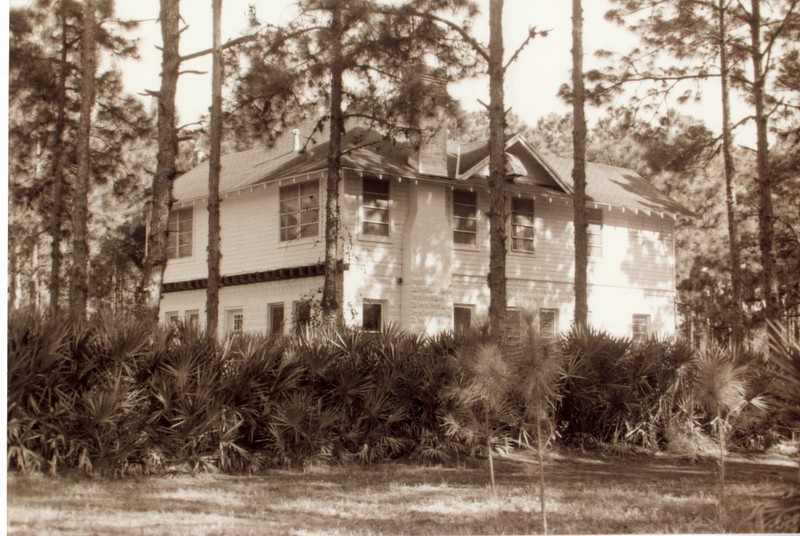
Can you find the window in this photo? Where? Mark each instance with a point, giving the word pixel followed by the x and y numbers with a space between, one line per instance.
pixel 594 232
pixel 548 323
pixel 462 318
pixel 640 328
pixel 234 322
pixel 372 315
pixel 275 320
pixel 193 318
pixel 521 224
pixel 172 318
pixel 299 210
pixel 376 207
pixel 179 233
pixel 465 217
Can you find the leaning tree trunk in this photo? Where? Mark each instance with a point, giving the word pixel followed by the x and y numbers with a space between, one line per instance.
pixel 79 281
pixel 330 292
pixel 579 168
pixel 730 198
pixel 212 291
pixel 57 210
pixel 497 172
pixel 765 214
pixel 156 258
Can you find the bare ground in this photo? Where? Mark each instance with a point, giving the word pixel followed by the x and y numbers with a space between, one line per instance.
pixel 585 495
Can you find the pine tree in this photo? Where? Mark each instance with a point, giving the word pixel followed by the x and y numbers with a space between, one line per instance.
pixel 79 282
pixel 214 168
pixel 579 168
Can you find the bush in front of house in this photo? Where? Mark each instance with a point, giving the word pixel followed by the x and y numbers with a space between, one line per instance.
pixel 121 396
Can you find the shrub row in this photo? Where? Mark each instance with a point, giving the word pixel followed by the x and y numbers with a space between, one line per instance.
pixel 124 397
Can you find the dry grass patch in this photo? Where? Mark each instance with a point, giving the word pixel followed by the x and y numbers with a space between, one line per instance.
pixel 586 495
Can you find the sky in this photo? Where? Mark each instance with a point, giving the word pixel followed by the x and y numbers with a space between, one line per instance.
pixel 531 85
pixel 532 82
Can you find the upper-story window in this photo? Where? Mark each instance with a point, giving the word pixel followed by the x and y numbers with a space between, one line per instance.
pixel 594 232
pixel 376 207
pixel 299 210
pixel 179 233
pixel 521 224
pixel 465 217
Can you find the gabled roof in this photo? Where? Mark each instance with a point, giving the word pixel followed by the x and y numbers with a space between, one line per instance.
pixel 367 150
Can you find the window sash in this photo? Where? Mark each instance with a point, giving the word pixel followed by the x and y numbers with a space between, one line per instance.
pixel 462 318
pixel 548 323
pixel 180 233
pixel 465 217
pixel 375 201
pixel 522 221
pixel 371 316
pixel 276 318
pixel 594 232
pixel 640 327
pixel 299 211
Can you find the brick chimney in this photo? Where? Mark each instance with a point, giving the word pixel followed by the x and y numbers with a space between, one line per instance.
pixel 429 154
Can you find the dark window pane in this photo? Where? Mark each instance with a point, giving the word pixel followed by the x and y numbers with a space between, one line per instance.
pixel 466 225
pixel 380 229
pixel 460 237
pixel 464 197
pixel 462 318
pixel 371 315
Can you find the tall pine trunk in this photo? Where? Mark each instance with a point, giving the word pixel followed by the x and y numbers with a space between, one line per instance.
pixel 330 292
pixel 79 280
pixel 57 211
pixel 579 167
pixel 497 172
pixel 212 291
pixel 730 197
pixel 156 260
pixel 765 215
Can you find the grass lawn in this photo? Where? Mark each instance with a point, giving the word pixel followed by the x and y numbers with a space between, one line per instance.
pixel 585 495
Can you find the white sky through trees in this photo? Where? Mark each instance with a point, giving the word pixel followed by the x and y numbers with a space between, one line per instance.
pixel 531 83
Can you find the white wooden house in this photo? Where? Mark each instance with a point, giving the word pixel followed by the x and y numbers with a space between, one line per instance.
pixel 415 238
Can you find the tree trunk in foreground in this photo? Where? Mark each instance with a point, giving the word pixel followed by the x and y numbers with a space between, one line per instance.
pixel 58 169
pixel 79 280
pixel 330 293
pixel 730 198
pixel 214 168
pixel 156 259
pixel 765 215
pixel 579 168
pixel 497 172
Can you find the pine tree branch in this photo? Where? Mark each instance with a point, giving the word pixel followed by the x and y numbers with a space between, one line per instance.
pixel 232 43
pixel 532 33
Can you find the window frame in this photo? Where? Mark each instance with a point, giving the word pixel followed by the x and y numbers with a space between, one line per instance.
pixel 172 318
pixel 463 307
pixel 553 333
pixel 230 321
pixel 513 235
pixel 456 218
pixel 382 321
pixel 284 199
pixel 271 308
pixel 188 318
pixel 378 196
pixel 636 334
pixel 173 251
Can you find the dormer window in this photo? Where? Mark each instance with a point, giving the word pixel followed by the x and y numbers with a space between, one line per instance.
pixel 179 233
pixel 299 210
pixel 375 207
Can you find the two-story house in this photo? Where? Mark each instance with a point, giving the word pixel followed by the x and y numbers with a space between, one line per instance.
pixel 415 238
